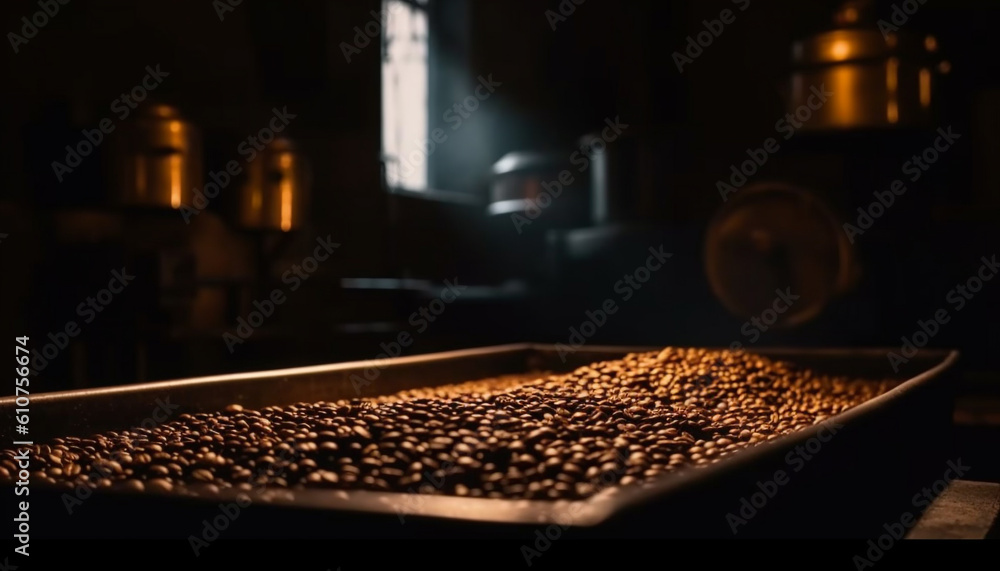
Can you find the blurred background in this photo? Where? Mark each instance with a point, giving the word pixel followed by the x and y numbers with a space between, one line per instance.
pixel 527 153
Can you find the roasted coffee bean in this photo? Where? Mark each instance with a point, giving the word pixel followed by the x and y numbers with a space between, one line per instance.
pixel 202 475
pixel 108 467
pixel 558 436
pixel 158 485
pixel 131 485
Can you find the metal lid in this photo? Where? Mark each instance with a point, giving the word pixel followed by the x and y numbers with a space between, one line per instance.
pixel 522 161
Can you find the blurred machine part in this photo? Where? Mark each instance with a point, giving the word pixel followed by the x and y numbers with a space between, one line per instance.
pixel 773 238
pixel 861 93
pixel 881 77
pixel 529 182
pixel 625 171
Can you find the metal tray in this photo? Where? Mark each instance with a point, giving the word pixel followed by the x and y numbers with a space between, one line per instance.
pixel 888 449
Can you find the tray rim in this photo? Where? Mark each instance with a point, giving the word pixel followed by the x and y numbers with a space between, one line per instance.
pixel 589 512
pixel 950 355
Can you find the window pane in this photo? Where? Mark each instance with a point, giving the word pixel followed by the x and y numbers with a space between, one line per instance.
pixel 404 95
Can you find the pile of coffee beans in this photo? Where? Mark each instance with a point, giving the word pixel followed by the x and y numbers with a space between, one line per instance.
pixel 562 436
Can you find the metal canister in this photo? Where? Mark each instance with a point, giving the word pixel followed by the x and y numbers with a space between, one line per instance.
pixel 545 187
pixel 157 159
pixel 276 190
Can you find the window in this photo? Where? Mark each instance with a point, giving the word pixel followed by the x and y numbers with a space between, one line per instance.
pixel 405 84
pixel 425 72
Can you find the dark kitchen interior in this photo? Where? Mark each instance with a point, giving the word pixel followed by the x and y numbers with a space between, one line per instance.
pixel 204 188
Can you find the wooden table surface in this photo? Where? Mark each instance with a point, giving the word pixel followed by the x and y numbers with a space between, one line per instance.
pixel 965 510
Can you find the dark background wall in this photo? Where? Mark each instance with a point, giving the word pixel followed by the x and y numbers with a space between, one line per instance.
pixel 607 59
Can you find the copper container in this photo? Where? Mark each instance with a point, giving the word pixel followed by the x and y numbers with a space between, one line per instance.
pixel 157 159
pixel 276 189
pixel 876 79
